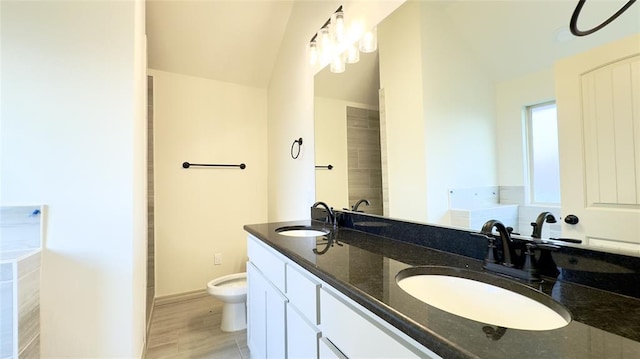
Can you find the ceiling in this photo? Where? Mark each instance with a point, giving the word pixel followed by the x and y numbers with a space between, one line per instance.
pixel 233 41
pixel 359 83
pixel 238 41
pixel 513 38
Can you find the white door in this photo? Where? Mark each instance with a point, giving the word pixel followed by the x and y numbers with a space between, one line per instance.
pixel 598 99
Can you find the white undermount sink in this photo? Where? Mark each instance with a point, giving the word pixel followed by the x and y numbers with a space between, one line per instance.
pixel 467 294
pixel 301 231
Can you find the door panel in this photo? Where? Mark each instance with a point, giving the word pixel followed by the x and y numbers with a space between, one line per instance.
pixel 598 99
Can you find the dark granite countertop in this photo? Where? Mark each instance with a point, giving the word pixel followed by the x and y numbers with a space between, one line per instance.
pixel 363 266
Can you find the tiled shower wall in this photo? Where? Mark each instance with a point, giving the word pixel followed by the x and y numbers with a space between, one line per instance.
pixel 150 202
pixel 364 164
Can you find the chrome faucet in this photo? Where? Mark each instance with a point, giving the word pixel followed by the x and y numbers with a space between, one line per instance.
pixel 355 206
pixel 537 225
pixel 508 255
pixel 331 216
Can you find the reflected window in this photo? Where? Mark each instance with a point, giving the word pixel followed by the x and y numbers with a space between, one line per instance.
pixel 544 162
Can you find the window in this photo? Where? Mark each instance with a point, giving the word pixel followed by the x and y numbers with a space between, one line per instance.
pixel 544 162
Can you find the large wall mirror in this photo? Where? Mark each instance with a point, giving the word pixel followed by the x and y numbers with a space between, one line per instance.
pixel 439 125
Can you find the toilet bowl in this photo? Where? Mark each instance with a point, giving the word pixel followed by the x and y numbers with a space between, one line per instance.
pixel 232 291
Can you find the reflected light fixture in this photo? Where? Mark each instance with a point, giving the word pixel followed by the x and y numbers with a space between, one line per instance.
pixel 353 54
pixel 313 52
pixel 337 25
pixel 333 45
pixel 369 42
pixel 338 64
pixel 326 46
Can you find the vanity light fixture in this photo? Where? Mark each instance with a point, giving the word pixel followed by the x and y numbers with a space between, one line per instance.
pixel 314 53
pixel 337 24
pixel 369 42
pixel 353 54
pixel 326 45
pixel 335 46
pixel 338 63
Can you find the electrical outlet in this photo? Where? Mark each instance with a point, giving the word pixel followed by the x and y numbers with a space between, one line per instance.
pixel 217 259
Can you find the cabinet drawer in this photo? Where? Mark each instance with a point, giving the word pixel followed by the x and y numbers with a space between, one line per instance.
pixel 267 262
pixel 302 336
pixel 303 292
pixel 363 337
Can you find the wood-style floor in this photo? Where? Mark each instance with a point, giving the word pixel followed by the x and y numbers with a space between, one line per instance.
pixel 191 329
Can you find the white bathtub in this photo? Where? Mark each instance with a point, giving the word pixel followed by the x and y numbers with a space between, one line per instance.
pixel 20 267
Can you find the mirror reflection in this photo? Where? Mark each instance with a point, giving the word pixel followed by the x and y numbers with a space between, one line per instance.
pixel 458 118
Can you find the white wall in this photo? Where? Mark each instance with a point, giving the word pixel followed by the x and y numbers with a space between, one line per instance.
pixel 512 97
pixel 401 79
pixel 330 117
pixel 440 124
pixel 459 114
pixel 139 247
pixel 72 137
pixel 290 116
pixel 290 104
pixel 201 211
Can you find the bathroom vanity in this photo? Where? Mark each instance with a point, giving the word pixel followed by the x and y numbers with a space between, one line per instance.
pixel 313 297
pixel 287 306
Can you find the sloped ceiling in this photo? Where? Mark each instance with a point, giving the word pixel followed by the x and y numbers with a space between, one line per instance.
pixel 233 41
pixel 513 38
pixel 238 40
pixel 359 83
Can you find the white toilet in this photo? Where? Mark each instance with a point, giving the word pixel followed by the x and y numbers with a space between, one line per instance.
pixel 232 290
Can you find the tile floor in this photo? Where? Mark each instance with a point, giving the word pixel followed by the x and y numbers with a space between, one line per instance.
pixel 191 329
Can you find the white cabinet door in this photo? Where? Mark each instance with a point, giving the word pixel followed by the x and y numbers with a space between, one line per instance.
pixel 266 317
pixel 256 312
pixel 599 143
pixel 302 336
pixel 276 323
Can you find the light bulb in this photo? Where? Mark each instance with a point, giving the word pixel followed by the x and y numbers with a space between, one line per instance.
pixel 337 25
pixel 369 42
pixel 353 54
pixel 326 46
pixel 313 52
pixel 338 64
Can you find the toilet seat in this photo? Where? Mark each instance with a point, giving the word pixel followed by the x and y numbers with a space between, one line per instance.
pixel 232 284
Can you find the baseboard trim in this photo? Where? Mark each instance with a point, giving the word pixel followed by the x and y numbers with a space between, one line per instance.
pixel 174 298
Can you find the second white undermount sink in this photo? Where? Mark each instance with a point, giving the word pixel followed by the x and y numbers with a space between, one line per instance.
pixel 301 231
pixel 467 294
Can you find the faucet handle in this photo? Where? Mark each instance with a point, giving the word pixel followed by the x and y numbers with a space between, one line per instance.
pixel 530 264
pixel 510 230
pixel 492 251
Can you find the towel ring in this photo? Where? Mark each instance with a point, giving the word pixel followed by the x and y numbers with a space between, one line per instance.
pixel 299 142
pixel 573 24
